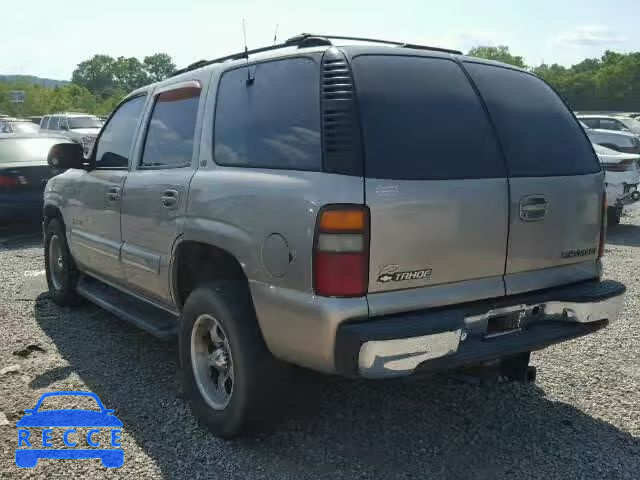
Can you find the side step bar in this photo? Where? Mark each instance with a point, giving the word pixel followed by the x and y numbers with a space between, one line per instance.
pixel 155 320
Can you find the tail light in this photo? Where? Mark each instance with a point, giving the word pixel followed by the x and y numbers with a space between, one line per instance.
pixel 341 251
pixel 8 181
pixel 603 225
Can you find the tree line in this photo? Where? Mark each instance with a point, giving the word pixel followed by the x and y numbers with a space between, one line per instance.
pixel 97 86
pixel 611 82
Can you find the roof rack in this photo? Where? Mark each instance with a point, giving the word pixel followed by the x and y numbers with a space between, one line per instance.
pixel 307 40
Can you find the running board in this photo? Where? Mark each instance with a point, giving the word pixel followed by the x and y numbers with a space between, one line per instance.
pixel 155 320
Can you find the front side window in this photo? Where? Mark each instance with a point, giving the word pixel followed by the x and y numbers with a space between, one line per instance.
pixel 170 135
pixel 272 121
pixel 116 140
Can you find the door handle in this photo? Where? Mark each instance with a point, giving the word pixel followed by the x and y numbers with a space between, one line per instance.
pixel 169 199
pixel 113 194
pixel 533 208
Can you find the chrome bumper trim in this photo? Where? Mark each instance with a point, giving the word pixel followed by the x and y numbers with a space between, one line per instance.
pixel 400 357
pixel 392 358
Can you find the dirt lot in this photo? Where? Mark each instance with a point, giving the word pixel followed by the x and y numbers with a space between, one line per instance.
pixel 581 419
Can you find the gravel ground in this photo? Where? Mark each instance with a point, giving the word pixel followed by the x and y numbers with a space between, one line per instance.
pixel 581 419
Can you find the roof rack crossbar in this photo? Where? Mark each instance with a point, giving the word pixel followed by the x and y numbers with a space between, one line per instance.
pixel 304 40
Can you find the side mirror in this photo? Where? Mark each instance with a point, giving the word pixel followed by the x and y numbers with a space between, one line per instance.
pixel 66 155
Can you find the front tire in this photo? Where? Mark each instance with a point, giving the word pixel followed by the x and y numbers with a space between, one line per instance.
pixel 231 377
pixel 62 274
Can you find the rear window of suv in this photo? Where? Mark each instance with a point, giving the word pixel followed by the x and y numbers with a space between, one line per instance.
pixel 422 120
pixel 539 135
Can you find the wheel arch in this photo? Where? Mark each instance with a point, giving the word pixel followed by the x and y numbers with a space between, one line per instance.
pixel 195 262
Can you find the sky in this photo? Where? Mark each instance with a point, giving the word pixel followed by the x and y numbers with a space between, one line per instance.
pixel 49 39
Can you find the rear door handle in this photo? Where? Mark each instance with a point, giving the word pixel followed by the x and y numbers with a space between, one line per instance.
pixel 113 194
pixel 169 199
pixel 533 208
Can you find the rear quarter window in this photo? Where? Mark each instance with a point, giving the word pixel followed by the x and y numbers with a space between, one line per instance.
pixel 272 121
pixel 539 135
pixel 422 120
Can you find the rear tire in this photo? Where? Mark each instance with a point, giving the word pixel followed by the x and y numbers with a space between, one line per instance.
pixel 230 376
pixel 62 274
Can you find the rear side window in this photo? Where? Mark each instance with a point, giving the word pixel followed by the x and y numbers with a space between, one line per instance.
pixel 169 140
pixel 44 123
pixel 116 139
pixel 539 135
pixel 591 122
pixel 53 123
pixel 273 121
pixel 422 120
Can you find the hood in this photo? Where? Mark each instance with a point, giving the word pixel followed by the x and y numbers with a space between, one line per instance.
pixel 90 132
pixel 69 418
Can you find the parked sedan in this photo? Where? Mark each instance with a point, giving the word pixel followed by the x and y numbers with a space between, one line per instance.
pixel 621 176
pixel 24 172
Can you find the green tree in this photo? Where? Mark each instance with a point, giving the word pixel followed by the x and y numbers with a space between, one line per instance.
pixel 129 74
pixel 158 66
pixel 500 53
pixel 96 75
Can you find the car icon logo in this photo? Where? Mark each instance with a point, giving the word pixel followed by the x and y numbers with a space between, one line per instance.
pixel 100 422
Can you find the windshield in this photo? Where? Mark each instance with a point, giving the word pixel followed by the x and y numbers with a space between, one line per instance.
pixel 84 122
pixel 26 149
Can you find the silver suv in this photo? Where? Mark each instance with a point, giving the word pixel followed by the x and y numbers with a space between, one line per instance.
pixel 369 211
pixel 78 127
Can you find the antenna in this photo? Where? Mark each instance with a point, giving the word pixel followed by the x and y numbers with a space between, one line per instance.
pixel 275 35
pixel 246 54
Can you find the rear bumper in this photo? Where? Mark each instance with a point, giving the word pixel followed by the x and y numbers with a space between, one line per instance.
pixel 442 339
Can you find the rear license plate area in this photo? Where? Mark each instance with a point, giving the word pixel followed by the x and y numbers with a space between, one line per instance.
pixel 503 324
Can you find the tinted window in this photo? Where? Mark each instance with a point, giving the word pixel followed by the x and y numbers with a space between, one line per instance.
pixel 84 122
pixel 26 149
pixel 591 122
pixel 169 140
pixel 53 123
pixel 539 135
pixel 421 119
pixel 273 122
pixel 44 123
pixel 117 137
pixel 610 124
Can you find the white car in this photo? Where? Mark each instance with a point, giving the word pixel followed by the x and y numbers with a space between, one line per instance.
pixel 78 127
pixel 621 176
pixel 618 123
